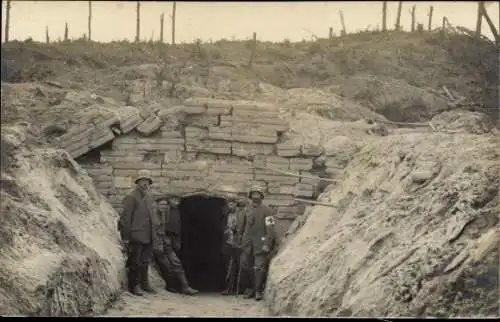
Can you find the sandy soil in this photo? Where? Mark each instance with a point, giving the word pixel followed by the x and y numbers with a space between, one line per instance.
pixel 202 305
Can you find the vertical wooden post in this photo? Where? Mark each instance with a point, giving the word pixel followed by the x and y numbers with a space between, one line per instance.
pixel 479 19
pixel 174 8
pixel 330 33
pixel 384 16
pixel 444 23
pixel 47 39
pixel 398 17
pixel 429 25
pixel 7 21
pixel 66 31
pixel 413 18
pixel 343 31
pixel 162 16
pixel 90 21
pixel 138 23
pixel 254 47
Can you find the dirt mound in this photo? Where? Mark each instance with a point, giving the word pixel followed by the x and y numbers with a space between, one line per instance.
pixel 395 99
pixel 59 245
pixel 407 65
pixel 413 232
pixel 463 121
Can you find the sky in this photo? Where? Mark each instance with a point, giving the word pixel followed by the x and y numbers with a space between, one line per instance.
pixel 207 20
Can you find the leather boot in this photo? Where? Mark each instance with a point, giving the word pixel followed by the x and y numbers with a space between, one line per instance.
pixel 145 280
pixel 227 291
pixel 249 293
pixel 164 272
pixel 259 278
pixel 172 284
pixel 185 288
pixel 133 279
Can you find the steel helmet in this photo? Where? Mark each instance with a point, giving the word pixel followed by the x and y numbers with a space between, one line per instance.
pixel 256 189
pixel 144 174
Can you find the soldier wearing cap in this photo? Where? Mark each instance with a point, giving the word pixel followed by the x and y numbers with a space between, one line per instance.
pixel 232 242
pixel 165 256
pixel 137 225
pixel 173 223
pixel 258 241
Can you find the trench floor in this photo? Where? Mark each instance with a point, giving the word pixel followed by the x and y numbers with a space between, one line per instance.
pixel 201 305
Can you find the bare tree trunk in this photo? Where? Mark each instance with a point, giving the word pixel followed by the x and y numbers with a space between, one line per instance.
pixel 47 39
pixel 254 47
pixel 494 30
pixel 162 17
pixel 413 18
pixel 138 23
pixel 429 25
pixel 398 18
pixel 330 33
pixel 343 31
pixel 66 31
pixel 479 19
pixel 7 20
pixel 174 7
pixel 384 16
pixel 90 21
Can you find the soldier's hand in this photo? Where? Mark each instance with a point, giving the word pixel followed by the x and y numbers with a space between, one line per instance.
pixel 265 248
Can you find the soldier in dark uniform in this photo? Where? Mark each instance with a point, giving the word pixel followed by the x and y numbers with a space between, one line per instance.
pixel 165 257
pixel 137 224
pixel 258 242
pixel 173 223
pixel 232 247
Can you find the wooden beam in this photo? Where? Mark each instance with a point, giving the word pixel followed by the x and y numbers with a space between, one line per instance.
pixel 291 174
pixel 316 203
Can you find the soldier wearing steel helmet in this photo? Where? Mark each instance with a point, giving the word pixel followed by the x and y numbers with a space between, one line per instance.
pixel 137 225
pixel 258 242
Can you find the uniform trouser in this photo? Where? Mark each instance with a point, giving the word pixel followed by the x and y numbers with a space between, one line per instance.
pixel 176 242
pixel 138 259
pixel 170 266
pixel 254 267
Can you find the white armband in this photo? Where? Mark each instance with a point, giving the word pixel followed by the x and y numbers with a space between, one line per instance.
pixel 269 220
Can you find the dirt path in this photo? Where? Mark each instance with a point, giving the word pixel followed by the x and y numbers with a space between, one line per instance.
pixel 202 305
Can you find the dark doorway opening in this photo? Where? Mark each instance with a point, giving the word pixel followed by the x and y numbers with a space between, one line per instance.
pixel 203 223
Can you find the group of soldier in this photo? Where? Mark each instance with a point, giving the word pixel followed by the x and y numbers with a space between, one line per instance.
pixel 150 229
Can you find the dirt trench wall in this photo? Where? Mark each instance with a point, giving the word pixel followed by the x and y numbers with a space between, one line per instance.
pixel 212 146
pixel 414 232
pixel 60 252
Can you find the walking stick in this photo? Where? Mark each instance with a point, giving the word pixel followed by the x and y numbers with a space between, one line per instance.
pixel 238 276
